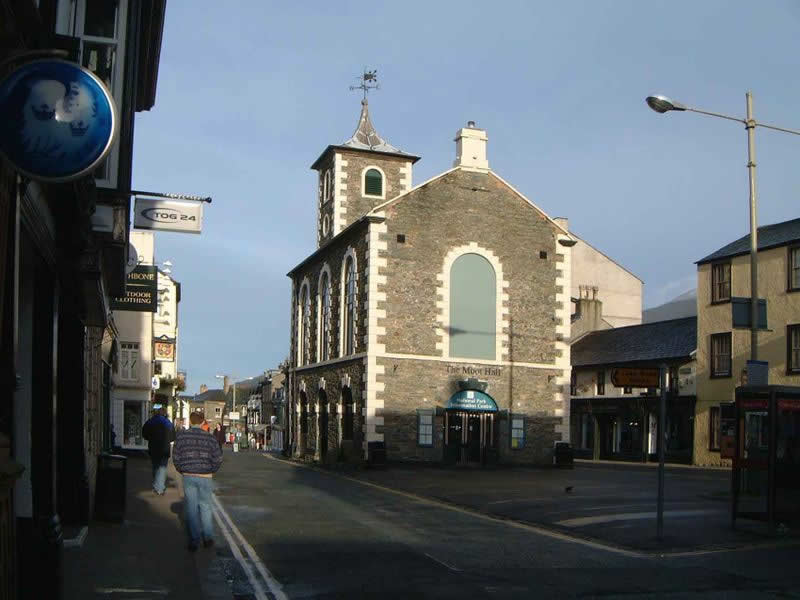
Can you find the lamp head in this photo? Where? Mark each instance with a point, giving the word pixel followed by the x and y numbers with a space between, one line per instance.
pixel 662 104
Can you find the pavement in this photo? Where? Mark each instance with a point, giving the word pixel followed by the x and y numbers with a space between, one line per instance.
pixel 609 503
pixel 145 556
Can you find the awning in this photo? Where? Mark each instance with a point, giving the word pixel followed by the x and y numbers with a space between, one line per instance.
pixel 472 400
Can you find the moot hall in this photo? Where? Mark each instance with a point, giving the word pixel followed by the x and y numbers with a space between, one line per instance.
pixel 432 323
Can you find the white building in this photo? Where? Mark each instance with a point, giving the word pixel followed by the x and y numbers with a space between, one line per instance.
pixel 165 346
pixel 132 381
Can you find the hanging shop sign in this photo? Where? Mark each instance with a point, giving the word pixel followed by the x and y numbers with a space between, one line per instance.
pixel 141 291
pixel 183 216
pixel 638 378
pixel 164 351
pixel 58 120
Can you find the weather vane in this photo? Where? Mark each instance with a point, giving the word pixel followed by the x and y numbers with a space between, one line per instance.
pixel 367 81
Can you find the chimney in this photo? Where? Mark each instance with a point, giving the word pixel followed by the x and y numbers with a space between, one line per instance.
pixel 563 222
pixel 226 384
pixel 588 312
pixel 471 149
pixel 203 388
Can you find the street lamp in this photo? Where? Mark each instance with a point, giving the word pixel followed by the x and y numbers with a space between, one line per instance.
pixel 662 104
pixel 233 408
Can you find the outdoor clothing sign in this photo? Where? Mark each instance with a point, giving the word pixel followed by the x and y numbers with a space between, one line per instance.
pixel 141 291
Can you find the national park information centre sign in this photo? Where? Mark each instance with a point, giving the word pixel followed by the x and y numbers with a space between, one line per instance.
pixel 141 291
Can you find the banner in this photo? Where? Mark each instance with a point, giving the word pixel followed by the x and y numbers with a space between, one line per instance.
pixel 183 216
pixel 141 291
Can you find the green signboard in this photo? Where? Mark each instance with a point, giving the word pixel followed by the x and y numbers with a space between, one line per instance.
pixel 471 400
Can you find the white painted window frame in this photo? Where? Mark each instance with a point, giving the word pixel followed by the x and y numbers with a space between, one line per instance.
pixel 344 333
pixel 364 193
pixel 323 335
pixel 70 21
pixel 131 352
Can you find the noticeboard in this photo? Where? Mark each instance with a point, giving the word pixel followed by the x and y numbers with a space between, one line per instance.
pixel 638 378
pixel 141 291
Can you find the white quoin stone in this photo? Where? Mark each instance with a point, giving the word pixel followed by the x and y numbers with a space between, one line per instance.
pixel 471 148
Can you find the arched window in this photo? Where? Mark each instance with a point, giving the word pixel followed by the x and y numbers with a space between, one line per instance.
pixel 305 326
pixel 473 308
pixel 350 308
pixel 347 414
pixel 373 183
pixel 325 317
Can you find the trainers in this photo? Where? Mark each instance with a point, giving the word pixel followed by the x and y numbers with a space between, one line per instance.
pixel 208 543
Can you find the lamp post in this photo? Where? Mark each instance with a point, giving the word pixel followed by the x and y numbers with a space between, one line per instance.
pixel 662 104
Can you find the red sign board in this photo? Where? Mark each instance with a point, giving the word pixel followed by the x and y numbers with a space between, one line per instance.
pixel 753 404
pixel 789 404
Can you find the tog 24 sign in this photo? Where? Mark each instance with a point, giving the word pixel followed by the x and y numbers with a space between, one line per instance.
pixel 168 215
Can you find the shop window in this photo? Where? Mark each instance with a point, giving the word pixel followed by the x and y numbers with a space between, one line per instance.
pixel 673 380
pixel 793 349
pixel 721 282
pixel 713 428
pixel 601 383
pixel 129 361
pixel 582 434
pixel 721 355
pixel 517 432
pixel 373 183
pixel 425 428
pixel 473 308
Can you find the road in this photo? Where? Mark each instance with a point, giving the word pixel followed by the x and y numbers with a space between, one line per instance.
pixel 314 534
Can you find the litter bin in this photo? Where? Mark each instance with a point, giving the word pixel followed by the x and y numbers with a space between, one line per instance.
pixel 563 455
pixel 377 453
pixel 111 488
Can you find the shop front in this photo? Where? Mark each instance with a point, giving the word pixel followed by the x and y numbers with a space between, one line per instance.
pixel 129 418
pixel 470 428
pixel 625 428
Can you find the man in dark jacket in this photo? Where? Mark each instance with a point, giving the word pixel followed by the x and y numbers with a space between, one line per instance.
pixel 197 457
pixel 159 433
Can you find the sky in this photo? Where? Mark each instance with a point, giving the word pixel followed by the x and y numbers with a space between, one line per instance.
pixel 250 92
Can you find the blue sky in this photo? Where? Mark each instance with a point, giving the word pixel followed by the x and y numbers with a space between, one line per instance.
pixel 249 96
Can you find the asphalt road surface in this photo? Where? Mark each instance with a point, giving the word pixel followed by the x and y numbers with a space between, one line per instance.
pixel 287 531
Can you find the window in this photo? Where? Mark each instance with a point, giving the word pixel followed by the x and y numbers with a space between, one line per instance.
pixel 373 183
pixel 218 411
pixel 129 361
pixel 347 414
pixel 100 26
pixel 721 282
pixel 473 308
pixel 325 317
pixel 573 384
pixel 326 224
pixel 304 346
pixel 793 349
pixel 601 383
pixel 327 185
pixel 350 306
pixel 673 380
pixel 425 428
pixel 582 434
pixel 721 355
pixel 794 269
pixel 517 432
pixel 713 428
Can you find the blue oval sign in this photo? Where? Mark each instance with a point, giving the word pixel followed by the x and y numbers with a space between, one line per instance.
pixel 57 120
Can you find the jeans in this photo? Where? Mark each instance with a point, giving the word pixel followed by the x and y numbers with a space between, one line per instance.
pixel 159 473
pixel 197 508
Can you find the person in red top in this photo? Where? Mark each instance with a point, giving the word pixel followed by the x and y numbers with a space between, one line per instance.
pixel 205 426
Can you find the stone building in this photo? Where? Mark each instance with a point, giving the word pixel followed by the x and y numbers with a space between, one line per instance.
pixel 432 323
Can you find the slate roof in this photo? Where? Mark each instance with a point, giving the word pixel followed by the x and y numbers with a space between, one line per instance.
pixel 210 396
pixel 637 343
pixel 366 138
pixel 769 236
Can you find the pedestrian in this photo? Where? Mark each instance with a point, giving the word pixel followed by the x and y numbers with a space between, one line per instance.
pixel 205 426
pixel 159 433
pixel 197 457
pixel 219 435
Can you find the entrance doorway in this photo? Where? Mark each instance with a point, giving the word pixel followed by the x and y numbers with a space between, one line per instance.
pixel 469 436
